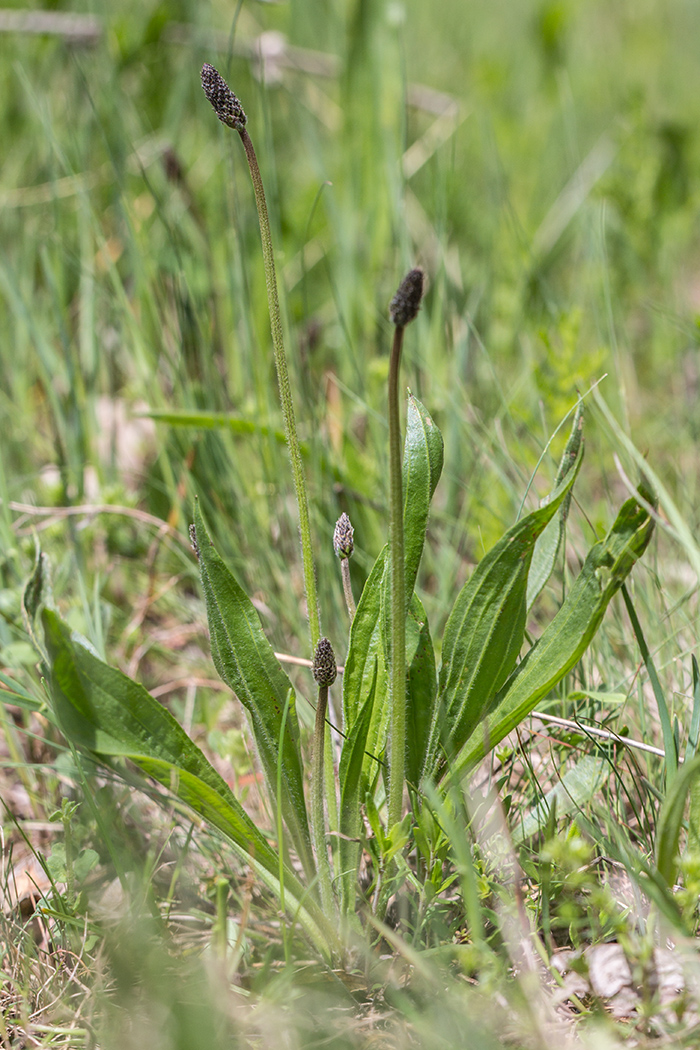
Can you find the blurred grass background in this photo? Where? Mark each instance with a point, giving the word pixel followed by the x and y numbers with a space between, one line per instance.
pixel 541 160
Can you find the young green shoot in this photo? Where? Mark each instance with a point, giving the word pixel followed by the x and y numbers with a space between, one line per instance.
pixel 230 112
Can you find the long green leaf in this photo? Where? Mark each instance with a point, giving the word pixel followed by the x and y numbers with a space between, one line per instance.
pixel 484 633
pixel 352 791
pixel 100 709
pixel 422 465
pixel 246 661
pixel 549 544
pixel 668 828
pixel 569 634
pixel 421 691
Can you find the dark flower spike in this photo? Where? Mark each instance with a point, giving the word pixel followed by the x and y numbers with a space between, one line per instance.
pixel 325 669
pixel 343 543
pixel 226 106
pixel 405 305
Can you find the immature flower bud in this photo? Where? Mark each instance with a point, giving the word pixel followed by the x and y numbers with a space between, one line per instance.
pixel 325 669
pixel 226 106
pixel 343 544
pixel 405 305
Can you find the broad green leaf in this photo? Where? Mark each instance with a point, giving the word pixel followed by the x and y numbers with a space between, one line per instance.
pixel 353 788
pixel 421 691
pixel 485 630
pixel 365 659
pixel 422 464
pixel 548 545
pixel 569 634
pixel 668 828
pixel 105 712
pixel 246 661
pixel 574 790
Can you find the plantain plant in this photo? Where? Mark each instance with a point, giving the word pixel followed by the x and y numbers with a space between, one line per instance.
pixel 409 725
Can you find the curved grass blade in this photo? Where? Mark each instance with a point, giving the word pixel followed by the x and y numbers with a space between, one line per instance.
pixel 246 661
pixel 485 630
pixel 549 544
pixel 668 828
pixel 108 714
pixel 569 634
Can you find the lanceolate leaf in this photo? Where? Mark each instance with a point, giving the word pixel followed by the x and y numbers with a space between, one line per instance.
pixel 421 691
pixel 365 659
pixel 569 634
pixel 549 544
pixel 668 829
pixel 484 633
pixel 352 792
pixel 103 711
pixel 422 464
pixel 246 661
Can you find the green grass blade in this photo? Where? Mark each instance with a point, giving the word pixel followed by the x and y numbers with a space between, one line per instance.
pixel 694 731
pixel 485 630
pixel 567 637
pixel 246 661
pixel 668 828
pixel 215 421
pixel 548 545
pixel 670 746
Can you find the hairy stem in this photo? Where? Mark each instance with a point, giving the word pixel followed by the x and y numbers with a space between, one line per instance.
pixel 347 588
pixel 397 731
pixel 290 427
pixel 318 819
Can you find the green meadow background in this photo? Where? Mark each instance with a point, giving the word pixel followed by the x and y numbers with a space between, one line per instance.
pixel 541 161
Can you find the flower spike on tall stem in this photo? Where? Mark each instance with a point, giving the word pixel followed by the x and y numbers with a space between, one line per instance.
pixel 230 112
pixel 402 310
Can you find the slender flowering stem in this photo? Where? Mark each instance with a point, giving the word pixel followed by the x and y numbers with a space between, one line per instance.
pixel 397 748
pixel 403 309
pixel 230 112
pixel 324 671
pixel 343 544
